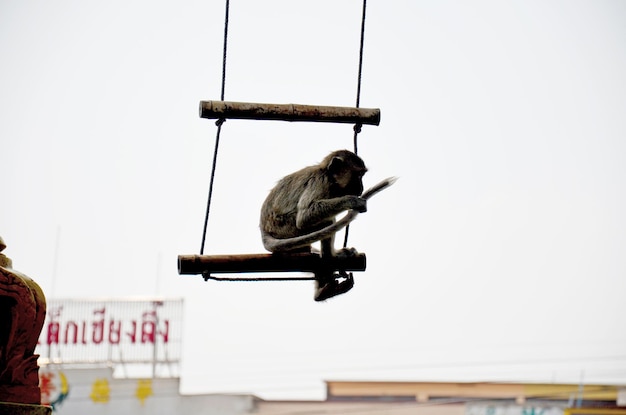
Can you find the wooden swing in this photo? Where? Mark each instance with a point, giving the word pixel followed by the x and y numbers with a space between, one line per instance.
pixel 207 265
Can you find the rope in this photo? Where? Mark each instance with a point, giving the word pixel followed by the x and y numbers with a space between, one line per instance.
pixel 219 130
pixel 357 127
pixel 220 122
pixel 225 48
pixel 208 276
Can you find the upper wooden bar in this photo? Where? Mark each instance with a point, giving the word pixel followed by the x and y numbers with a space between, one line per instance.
pixel 288 112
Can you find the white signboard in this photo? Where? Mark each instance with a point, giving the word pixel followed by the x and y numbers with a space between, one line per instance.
pixel 111 331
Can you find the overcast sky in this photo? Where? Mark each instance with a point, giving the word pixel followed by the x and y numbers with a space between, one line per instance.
pixel 498 255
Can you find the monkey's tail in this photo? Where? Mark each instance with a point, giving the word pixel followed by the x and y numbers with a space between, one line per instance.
pixel 277 245
pixel 382 185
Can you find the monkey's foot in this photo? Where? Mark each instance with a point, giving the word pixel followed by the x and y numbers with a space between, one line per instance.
pixel 346 253
pixel 334 287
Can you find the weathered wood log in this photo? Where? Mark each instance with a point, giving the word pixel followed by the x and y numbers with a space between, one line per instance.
pixel 279 262
pixel 288 112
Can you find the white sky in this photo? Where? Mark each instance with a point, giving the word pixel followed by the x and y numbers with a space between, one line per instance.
pixel 498 255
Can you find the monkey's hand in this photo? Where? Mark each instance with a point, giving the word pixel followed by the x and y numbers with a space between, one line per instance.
pixel 358 203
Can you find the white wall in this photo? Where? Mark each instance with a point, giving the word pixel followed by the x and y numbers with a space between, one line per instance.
pixel 95 391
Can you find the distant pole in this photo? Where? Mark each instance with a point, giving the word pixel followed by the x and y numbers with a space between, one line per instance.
pixel 581 388
pixel 157 287
pixel 55 267
pixel 154 344
pixel 55 264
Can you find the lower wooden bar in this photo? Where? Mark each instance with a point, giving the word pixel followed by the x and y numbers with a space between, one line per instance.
pixel 279 262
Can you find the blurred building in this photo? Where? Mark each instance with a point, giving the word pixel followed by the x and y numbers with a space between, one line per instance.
pixel 95 390
pixel 443 398
pixel 122 357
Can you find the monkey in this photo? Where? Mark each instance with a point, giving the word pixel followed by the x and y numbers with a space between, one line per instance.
pixel 301 210
pixel 308 201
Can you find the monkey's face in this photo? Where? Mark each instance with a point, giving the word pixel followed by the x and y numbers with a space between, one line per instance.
pixel 345 170
pixel 350 181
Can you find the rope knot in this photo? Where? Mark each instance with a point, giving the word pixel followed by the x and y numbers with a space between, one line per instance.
pixel 220 122
pixel 357 128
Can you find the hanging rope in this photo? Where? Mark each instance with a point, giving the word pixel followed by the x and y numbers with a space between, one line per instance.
pixel 357 127
pixel 219 130
pixel 208 276
pixel 220 122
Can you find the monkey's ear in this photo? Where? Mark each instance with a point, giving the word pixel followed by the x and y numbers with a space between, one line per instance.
pixel 336 165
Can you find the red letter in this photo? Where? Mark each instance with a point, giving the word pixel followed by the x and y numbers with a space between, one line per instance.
pixel 133 335
pixel 166 333
pixel 67 331
pixel 117 332
pixel 98 327
pixel 148 328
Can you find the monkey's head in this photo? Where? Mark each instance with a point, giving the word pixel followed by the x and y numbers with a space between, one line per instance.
pixel 345 171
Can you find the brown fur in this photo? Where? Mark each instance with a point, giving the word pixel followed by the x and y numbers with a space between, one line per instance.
pixel 301 209
pixel 309 199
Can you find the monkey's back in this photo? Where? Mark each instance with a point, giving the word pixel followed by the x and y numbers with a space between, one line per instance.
pixel 280 208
